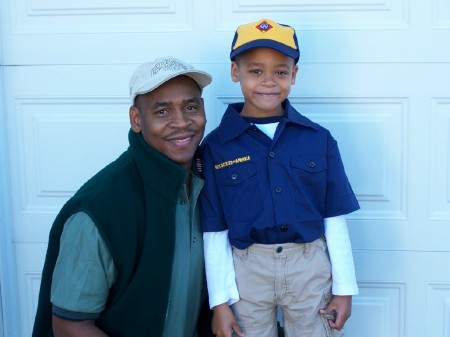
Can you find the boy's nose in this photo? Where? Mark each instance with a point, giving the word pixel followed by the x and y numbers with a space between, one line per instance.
pixel 268 79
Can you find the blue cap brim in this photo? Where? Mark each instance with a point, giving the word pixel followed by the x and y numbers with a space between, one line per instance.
pixel 265 43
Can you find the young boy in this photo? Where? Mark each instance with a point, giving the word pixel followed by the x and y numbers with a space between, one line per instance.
pixel 275 188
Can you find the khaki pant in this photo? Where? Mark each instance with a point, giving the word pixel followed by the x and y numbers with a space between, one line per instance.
pixel 294 277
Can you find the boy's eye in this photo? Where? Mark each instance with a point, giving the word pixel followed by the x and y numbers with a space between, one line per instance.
pixel 255 71
pixel 282 72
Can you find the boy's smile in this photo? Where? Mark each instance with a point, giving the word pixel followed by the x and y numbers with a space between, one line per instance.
pixel 265 76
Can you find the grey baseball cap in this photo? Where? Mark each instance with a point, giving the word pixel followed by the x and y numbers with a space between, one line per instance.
pixel 150 75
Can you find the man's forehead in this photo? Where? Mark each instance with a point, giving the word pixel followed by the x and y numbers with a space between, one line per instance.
pixel 175 100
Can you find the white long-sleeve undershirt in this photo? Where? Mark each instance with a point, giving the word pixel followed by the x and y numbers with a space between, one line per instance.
pixel 341 257
pixel 220 274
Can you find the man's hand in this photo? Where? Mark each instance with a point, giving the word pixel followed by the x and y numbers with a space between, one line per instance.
pixel 342 306
pixel 224 322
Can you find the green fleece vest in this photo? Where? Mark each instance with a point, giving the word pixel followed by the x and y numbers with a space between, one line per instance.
pixel 132 201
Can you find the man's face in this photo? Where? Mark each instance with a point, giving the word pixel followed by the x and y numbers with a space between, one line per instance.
pixel 171 119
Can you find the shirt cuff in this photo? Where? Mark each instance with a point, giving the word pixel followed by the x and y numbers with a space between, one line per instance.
pixel 73 315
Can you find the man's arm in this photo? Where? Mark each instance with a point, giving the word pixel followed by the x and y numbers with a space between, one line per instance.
pixel 83 275
pixel 67 328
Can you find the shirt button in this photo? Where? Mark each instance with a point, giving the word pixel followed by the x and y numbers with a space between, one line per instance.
pixel 182 202
pixel 194 240
pixel 278 189
pixel 284 228
pixel 234 176
pixel 312 164
pixel 279 249
pixel 271 154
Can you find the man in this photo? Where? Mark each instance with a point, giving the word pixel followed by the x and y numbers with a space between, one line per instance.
pixel 125 254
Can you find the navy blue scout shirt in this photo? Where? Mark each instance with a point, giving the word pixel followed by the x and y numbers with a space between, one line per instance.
pixel 272 191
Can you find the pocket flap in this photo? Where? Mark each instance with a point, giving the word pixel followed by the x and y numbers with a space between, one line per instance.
pixel 235 174
pixel 309 163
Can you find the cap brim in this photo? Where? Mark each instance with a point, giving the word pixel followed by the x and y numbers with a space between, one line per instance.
pixel 266 43
pixel 202 78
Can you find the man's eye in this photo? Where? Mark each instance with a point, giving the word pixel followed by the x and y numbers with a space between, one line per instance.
pixel 161 112
pixel 191 107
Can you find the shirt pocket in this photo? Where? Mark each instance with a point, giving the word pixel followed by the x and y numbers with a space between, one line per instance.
pixel 309 164
pixel 239 192
pixel 310 180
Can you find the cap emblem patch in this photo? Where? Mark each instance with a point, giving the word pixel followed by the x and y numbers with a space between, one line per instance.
pixel 167 65
pixel 264 27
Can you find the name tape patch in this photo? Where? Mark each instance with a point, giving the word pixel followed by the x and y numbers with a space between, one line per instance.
pixel 231 162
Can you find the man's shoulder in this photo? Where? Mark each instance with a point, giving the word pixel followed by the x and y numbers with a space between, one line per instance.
pixel 108 183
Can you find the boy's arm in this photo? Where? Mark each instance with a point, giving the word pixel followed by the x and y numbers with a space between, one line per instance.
pixel 343 270
pixel 340 250
pixel 224 322
pixel 220 277
pixel 340 309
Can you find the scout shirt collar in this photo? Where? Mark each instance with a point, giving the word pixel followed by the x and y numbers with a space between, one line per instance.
pixel 233 124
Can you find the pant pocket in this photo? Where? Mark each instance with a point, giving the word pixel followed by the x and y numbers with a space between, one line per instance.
pixel 329 331
pixel 337 333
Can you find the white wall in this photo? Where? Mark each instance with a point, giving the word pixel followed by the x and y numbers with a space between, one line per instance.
pixel 375 72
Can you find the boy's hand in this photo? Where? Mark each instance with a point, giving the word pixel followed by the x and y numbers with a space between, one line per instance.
pixel 342 306
pixel 224 322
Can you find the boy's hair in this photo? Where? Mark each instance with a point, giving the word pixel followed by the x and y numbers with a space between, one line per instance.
pixel 265 33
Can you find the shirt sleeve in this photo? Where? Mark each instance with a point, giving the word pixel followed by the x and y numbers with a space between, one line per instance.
pixel 340 250
pixel 84 271
pixel 220 274
pixel 340 198
pixel 212 217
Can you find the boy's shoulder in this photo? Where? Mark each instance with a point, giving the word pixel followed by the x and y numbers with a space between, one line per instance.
pixel 298 118
pixel 312 124
pixel 231 124
pixel 211 137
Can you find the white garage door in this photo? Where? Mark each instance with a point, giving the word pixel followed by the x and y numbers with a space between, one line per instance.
pixel 375 72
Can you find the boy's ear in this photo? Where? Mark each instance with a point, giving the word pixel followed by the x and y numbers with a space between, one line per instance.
pixel 294 74
pixel 234 72
pixel 135 119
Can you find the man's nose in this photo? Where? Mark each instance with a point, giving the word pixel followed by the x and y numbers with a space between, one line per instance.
pixel 180 118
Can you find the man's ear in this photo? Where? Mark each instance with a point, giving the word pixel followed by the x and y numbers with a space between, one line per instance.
pixel 135 119
pixel 234 72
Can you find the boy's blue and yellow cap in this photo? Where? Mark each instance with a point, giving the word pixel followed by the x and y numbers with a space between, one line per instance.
pixel 265 33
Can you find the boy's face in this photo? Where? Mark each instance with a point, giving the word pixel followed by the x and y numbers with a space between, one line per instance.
pixel 171 119
pixel 266 77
